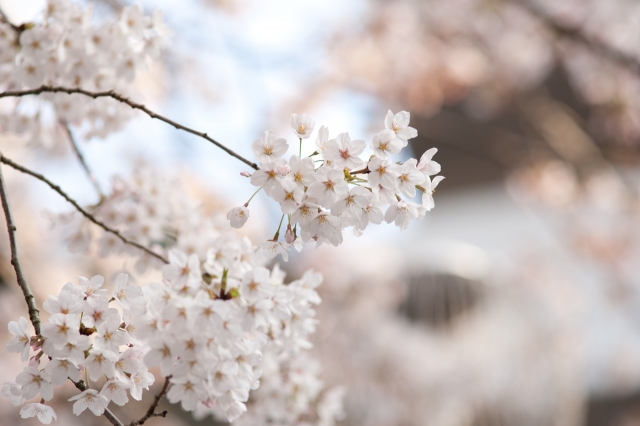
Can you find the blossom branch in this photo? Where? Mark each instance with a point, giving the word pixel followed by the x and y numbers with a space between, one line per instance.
pixel 34 313
pixel 75 204
pixel 151 412
pixel 83 163
pixel 575 34
pixel 134 105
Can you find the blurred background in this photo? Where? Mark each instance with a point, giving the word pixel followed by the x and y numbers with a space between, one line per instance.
pixel 516 301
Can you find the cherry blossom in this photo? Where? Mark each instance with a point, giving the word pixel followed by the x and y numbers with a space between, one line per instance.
pixel 344 153
pixel 426 165
pixel 329 185
pixel 22 340
pixel 386 142
pixel 268 148
pixel 302 125
pixel 288 194
pixel 61 369
pixel 238 216
pixel 44 413
pixel 399 124
pixel 430 187
pixel 34 382
pixel 90 399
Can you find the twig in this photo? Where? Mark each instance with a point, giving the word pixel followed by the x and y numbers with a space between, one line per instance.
pixel 151 412
pixel 18 29
pixel 576 34
pixel 107 413
pixel 3 18
pixel 134 105
pixel 34 313
pixel 83 163
pixel 75 204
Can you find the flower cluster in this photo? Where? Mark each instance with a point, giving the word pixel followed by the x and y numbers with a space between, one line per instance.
pixel 84 336
pixel 67 49
pixel 344 190
pixel 205 327
pixel 290 390
pixel 147 208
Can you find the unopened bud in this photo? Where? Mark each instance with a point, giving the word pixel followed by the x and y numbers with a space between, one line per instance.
pixel 289 237
pixel 245 174
pixel 284 170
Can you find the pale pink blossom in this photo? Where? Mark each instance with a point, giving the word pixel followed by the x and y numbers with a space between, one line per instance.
pixel 90 399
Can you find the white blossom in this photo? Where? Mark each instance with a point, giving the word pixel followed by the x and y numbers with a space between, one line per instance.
pixel 409 177
pixel 386 142
pixel 139 381
pixel 34 382
pixel 100 361
pixel 353 203
pixel 116 391
pixel 90 399
pixel 302 170
pixel 61 369
pixel 426 165
pixel 401 213
pixel 288 194
pixel 322 139
pixel 61 329
pixel 269 148
pixel 268 175
pixel 329 185
pixel 22 340
pixel 384 173
pixel 44 413
pixel 399 123
pixel 344 153
pixel 13 391
pixel 238 216
pixel 128 295
pixel 430 187
pixel 302 125
pixel 109 335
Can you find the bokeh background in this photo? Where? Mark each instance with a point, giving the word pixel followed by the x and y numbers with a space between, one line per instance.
pixel 515 302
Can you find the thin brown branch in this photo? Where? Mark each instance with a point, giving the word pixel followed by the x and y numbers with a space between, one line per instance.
pixel 83 163
pixel 151 412
pixel 134 105
pixel 75 204
pixel 107 413
pixel 3 18
pixel 17 28
pixel 34 313
pixel 576 34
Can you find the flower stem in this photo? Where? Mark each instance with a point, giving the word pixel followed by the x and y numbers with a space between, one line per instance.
pixel 251 198
pixel 300 151
pixel 275 237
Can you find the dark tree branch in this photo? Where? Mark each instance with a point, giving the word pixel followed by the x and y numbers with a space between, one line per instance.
pixel 577 35
pixel 75 204
pixel 151 412
pixel 134 105
pixel 83 163
pixel 34 313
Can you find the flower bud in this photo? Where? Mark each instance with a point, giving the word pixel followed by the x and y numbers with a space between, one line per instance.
pixel 284 170
pixel 289 237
